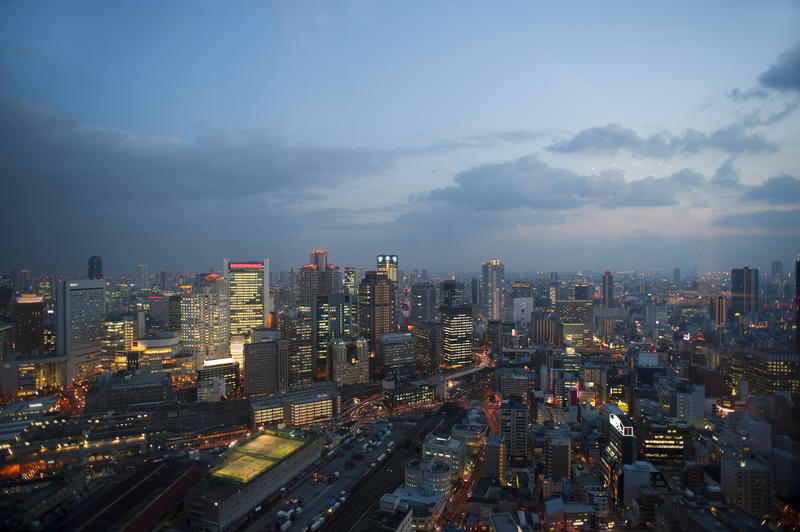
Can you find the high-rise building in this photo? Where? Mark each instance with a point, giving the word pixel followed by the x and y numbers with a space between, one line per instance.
pixel 720 311
pixel 29 324
pixel 375 307
pixel 747 483
pixel 142 277
pixel 349 361
pixel 492 287
pixel 676 275
pixel 204 319
pixel 744 290
pixel 95 267
pixel 777 270
pixel 80 306
pixel 351 280
pixel 576 321
pixel 248 295
pixel 266 367
pixel 797 304
pixel 557 454
pixel 770 370
pixel 582 291
pixel 423 302
pixel 521 289
pixel 513 420
pixel 21 279
pixel 318 277
pixel 388 264
pixel 295 328
pixel 621 447
pixel 395 355
pixel 427 345
pixel 451 292
pixel 457 332
pixel 608 289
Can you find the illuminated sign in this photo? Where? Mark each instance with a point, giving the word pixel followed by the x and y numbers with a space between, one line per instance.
pixel 245 265
pixel 617 424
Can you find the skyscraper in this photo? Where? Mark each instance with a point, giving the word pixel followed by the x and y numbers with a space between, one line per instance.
pixel 457 331
pixel 608 289
pixel 423 302
pixel 248 295
pixel 142 277
pixel 388 264
pixel 744 290
pixel 95 267
pixel 80 306
pixel 29 324
pixel 349 361
pixel 513 420
pixel 266 367
pixel 375 306
pixel 451 292
pixel 492 286
pixel 205 328
pixel 351 280
pixel 318 277
pixel 295 328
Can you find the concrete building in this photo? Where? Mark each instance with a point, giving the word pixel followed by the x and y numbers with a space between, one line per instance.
pixel 747 483
pixel 80 307
pixel 349 361
pixel 204 319
pixel 433 475
pixel 266 367
pixel 557 454
pixel 395 355
pixel 448 450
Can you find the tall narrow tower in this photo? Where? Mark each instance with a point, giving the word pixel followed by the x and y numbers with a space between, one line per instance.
pixel 492 286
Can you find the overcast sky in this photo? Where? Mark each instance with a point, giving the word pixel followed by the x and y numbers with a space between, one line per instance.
pixel 552 135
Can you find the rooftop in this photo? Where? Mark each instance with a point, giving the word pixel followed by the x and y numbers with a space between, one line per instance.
pixel 245 461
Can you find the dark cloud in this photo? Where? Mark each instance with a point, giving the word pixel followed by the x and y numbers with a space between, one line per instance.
pixel 776 221
pixel 727 175
pixel 530 183
pixel 784 189
pixel 613 138
pixel 784 74
pixel 64 180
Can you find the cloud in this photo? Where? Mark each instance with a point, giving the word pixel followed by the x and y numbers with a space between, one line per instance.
pixel 613 138
pixel 739 95
pixel 532 184
pixel 727 175
pixel 65 181
pixel 784 74
pixel 777 190
pixel 774 220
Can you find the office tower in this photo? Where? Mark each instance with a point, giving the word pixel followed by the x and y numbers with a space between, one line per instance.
pixel 351 280
pixel 427 345
pixel 582 292
pixel 29 324
pixel 521 289
pixel 513 419
pixel 395 355
pixel 621 447
pixel 224 370
pixel 174 321
pixel 576 321
pixel 423 302
pixel 6 335
pixel 342 315
pixel 44 289
pixel 142 277
pixel 266 367
pixel 204 319
pixel 676 275
pixel 777 270
pixel 492 286
pixel 608 289
pixel 690 404
pixel 21 279
pixel 747 483
pixel 318 277
pixel 248 295
pixel 451 293
pixel 80 306
pixel 457 331
pixel 320 335
pixel 349 361
pixel 95 267
pixel 720 311
pixel 388 264
pixel 744 290
pixel 375 307
pixel 557 454
pixel 770 370
pixel 295 328
pixel 475 292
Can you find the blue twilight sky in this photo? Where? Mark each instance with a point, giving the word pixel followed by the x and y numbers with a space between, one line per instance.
pixel 553 135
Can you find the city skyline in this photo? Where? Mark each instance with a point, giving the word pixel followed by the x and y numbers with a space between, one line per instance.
pixel 621 136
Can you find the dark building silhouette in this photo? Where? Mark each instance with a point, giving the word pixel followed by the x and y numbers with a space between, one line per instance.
pixel 29 324
pixel 95 267
pixel 744 290
pixel 608 289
